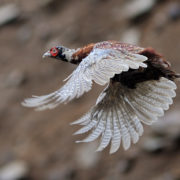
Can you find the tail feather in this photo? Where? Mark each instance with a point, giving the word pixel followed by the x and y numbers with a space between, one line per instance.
pixel 116 137
pixel 129 122
pixel 120 111
pixel 106 137
pixel 121 115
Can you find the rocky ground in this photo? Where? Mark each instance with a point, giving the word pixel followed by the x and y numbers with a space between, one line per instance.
pixel 40 145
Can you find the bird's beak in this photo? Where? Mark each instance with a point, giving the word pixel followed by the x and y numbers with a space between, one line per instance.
pixel 46 54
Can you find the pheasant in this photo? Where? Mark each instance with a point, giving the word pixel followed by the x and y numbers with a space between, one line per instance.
pixel 140 86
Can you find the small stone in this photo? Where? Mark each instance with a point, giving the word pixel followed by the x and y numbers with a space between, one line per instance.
pixel 153 144
pixel 14 171
pixel 8 13
pixel 137 8
pixel 131 36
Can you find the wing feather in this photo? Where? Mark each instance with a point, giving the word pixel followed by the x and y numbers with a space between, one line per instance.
pixel 99 66
pixel 106 137
pixel 120 118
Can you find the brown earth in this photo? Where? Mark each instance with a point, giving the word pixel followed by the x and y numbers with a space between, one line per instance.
pixel 44 139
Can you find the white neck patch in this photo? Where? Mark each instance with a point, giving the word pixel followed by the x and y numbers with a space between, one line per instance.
pixel 68 54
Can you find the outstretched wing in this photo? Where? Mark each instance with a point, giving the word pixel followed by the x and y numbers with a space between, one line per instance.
pixel 100 65
pixel 119 120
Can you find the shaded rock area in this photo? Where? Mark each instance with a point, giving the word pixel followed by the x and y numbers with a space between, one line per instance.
pixel 40 145
pixel 8 13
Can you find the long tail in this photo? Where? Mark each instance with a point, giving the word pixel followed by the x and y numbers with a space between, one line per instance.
pixel 119 112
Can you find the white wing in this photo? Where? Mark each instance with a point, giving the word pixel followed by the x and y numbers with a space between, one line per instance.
pixel 119 121
pixel 100 65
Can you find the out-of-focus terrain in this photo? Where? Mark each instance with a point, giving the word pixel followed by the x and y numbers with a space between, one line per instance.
pixel 39 145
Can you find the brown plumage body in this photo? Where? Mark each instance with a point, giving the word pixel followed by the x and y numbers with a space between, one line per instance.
pixel 157 65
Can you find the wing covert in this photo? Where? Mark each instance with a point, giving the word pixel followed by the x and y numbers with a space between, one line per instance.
pixel 103 64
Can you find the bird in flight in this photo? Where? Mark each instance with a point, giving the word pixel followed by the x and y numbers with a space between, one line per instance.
pixel 140 86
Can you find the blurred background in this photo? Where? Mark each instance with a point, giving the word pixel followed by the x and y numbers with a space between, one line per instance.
pixel 40 145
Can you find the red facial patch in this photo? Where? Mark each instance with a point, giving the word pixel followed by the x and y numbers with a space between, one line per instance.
pixel 54 51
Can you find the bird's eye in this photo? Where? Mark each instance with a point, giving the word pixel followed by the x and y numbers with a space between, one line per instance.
pixel 54 51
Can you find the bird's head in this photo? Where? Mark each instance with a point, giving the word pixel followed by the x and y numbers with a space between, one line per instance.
pixel 59 52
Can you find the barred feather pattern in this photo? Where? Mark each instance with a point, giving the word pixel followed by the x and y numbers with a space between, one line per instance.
pixel 99 66
pixel 119 112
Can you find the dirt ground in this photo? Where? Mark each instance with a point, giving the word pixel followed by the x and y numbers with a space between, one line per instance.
pixel 43 140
